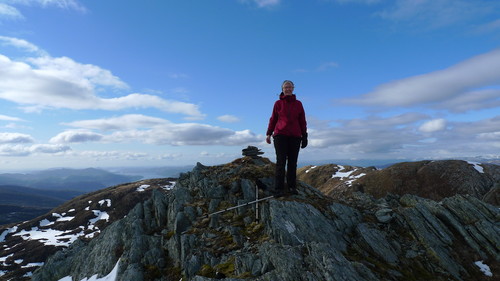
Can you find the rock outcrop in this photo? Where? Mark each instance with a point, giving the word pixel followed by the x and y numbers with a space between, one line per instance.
pixel 434 180
pixel 26 246
pixel 308 236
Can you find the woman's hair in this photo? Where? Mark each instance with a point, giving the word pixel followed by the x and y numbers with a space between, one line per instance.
pixel 286 82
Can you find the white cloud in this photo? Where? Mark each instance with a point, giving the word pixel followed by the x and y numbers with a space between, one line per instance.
pixel 228 118
pixel 481 127
pixel 371 135
pixel 152 130
pixel 63 4
pixel 267 3
pixel 493 26
pixel 46 82
pixel 84 75
pixel 178 75
pixel 15 138
pixel 437 13
pixel 21 44
pixel 433 126
pixel 145 101
pixel 477 72
pixel 404 136
pixel 8 11
pixel 14 150
pixel 9 118
pixel 23 150
pixel 49 148
pixel 263 3
pixel 327 65
pixel 110 155
pixel 357 1
pixel 474 100
pixel 76 136
pixel 185 134
pixel 129 121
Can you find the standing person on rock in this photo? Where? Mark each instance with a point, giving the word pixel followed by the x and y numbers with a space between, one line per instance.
pixel 288 127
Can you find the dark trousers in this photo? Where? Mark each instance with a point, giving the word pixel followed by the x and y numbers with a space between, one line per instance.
pixel 287 152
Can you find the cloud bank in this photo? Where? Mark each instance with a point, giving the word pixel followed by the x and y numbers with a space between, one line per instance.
pixel 152 130
pixel 44 82
pixel 457 86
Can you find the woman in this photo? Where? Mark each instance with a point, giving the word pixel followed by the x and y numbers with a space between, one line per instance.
pixel 288 123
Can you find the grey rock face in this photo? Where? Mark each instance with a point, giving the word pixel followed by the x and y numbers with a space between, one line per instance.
pixel 307 237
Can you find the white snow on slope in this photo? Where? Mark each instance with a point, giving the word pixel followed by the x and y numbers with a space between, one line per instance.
pixel 108 201
pixel 342 174
pixel 62 217
pixel 5 232
pixel 49 236
pixel 99 215
pixel 44 233
pixel 170 186
pixel 110 277
pixel 477 166
pixel 54 237
pixel 484 268
pixel 308 170
pixel 143 187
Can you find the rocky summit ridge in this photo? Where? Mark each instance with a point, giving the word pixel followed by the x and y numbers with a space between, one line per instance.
pixel 183 233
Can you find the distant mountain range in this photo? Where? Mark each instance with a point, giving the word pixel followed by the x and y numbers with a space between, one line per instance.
pixel 26 196
pixel 83 180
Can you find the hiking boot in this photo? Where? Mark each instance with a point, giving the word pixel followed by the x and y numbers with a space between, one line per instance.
pixel 293 191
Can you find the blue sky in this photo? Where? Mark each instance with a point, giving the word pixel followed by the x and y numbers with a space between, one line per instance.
pixel 136 83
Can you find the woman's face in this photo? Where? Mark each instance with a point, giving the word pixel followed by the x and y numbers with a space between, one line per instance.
pixel 288 89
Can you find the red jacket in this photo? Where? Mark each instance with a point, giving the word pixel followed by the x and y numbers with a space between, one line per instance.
pixel 288 117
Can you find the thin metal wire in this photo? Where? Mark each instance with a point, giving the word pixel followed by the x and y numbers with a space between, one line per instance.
pixel 239 206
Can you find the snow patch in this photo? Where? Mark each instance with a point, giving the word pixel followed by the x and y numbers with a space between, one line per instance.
pixel 50 236
pixel 484 268
pixel 45 222
pixel 170 186
pixel 308 170
pixel 342 174
pixel 110 277
pixel 143 187
pixel 62 217
pixel 108 201
pixel 3 259
pixel 477 166
pixel 54 237
pixel 6 232
pixel 33 264
pixel 100 215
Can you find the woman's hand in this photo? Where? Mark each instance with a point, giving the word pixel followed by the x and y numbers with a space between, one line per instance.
pixel 268 139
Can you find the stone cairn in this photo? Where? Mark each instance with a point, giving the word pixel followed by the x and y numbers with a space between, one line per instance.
pixel 252 151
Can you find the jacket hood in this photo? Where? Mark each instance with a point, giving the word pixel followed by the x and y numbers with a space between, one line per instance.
pixel 291 98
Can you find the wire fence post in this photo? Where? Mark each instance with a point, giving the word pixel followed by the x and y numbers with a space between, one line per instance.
pixel 257 204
